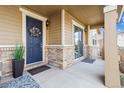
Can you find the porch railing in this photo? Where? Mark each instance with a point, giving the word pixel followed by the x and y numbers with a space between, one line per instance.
pixel 92 51
pixel 6 55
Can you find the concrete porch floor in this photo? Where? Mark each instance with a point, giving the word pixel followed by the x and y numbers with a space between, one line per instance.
pixel 79 75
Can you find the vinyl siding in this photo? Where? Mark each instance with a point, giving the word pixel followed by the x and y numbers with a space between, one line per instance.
pixel 10 25
pixel 55 29
pixel 68 35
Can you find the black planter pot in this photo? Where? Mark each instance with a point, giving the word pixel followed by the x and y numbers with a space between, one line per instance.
pixel 17 67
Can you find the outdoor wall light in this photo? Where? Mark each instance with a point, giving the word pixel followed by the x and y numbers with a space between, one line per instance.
pixel 47 23
pixel 86 29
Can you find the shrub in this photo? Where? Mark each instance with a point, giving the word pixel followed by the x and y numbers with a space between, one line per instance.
pixel 19 52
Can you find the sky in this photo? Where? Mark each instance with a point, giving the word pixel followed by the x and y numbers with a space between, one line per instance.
pixel 120 25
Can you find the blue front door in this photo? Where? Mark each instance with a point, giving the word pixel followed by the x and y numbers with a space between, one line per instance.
pixel 33 40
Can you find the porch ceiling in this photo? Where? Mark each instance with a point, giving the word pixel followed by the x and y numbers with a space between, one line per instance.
pixel 87 14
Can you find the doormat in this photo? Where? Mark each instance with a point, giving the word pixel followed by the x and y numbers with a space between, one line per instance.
pixel 38 69
pixel 25 81
pixel 88 60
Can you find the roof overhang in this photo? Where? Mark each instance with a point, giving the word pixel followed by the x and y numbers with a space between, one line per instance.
pixel 120 10
pixel 86 14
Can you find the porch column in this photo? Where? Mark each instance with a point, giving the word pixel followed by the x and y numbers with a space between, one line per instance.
pixel 88 42
pixel 112 75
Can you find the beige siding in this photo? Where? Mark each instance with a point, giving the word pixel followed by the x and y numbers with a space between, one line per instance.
pixel 10 25
pixel 55 29
pixel 68 28
pixel 86 37
pixel 47 35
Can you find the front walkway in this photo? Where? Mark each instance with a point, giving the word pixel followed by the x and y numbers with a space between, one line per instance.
pixel 79 75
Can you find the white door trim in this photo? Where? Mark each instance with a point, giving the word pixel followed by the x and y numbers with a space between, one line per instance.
pixel 36 16
pixel 32 14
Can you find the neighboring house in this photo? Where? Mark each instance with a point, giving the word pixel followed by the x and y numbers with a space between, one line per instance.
pixel 57 35
pixel 96 42
pixel 120 39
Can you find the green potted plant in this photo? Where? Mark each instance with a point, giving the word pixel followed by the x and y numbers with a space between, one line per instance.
pixel 18 61
pixel 122 80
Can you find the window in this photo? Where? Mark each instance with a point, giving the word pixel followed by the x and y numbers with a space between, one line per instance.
pixel 78 40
